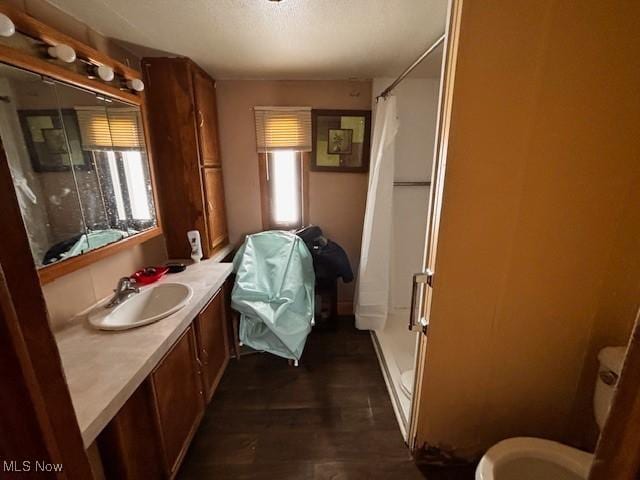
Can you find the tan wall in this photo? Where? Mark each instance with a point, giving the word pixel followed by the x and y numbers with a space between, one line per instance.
pixel 77 291
pixel 542 167
pixel 336 200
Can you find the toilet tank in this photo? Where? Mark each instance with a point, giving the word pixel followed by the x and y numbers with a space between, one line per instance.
pixel 610 359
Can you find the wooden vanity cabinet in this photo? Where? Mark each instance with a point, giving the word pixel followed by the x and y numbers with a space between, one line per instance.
pixel 213 344
pixel 178 399
pixel 130 445
pixel 149 436
pixel 183 119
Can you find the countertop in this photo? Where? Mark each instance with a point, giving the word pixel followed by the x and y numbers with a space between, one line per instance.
pixel 104 368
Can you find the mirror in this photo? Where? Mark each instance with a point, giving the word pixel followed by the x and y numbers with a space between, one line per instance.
pixel 78 162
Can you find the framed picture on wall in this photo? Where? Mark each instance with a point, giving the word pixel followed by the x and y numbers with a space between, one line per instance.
pixel 49 135
pixel 341 140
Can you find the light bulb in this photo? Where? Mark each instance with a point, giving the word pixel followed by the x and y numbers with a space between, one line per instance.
pixel 63 52
pixel 7 28
pixel 106 73
pixel 135 84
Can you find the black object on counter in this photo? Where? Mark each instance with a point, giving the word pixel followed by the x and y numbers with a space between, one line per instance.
pixel 176 267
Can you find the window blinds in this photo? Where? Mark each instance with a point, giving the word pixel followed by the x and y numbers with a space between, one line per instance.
pixel 110 128
pixel 283 128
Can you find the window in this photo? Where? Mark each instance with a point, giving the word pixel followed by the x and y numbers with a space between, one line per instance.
pixel 114 136
pixel 283 191
pixel 283 136
pixel 134 175
pixel 124 177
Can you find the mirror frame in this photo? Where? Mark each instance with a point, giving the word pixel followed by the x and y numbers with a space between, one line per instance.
pixel 37 30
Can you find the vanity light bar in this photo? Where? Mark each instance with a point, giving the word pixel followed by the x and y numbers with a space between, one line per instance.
pixel 135 84
pixel 107 74
pixel 62 52
pixel 7 27
pixel 103 72
pixel 67 54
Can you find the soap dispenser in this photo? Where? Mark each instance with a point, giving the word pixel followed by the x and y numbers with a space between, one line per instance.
pixel 196 245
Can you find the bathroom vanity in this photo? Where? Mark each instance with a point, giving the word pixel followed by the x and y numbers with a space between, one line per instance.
pixel 141 393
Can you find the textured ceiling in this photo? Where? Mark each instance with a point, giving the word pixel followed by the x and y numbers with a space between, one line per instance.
pixel 291 39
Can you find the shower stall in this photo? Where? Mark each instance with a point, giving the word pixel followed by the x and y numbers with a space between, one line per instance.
pixel 395 228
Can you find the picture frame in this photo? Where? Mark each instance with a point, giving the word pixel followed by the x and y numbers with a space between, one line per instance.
pixel 340 140
pixel 49 134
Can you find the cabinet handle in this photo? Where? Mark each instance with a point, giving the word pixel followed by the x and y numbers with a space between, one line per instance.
pixel 201 118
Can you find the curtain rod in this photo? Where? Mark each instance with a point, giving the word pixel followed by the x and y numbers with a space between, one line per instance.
pixel 403 75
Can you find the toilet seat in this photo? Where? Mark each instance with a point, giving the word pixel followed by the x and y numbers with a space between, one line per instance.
pixel 509 455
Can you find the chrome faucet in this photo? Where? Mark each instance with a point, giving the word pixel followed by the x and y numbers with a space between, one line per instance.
pixel 126 287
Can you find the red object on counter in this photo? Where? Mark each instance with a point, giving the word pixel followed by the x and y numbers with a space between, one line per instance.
pixel 149 275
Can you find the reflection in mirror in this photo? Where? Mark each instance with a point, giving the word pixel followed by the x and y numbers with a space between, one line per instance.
pixel 78 162
pixel 112 171
pixel 37 152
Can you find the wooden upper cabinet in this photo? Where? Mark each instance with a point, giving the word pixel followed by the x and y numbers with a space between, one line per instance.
pixel 216 214
pixel 178 399
pixel 184 138
pixel 213 347
pixel 206 118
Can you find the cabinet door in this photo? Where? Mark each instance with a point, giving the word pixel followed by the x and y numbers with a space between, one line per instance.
pixel 213 346
pixel 179 401
pixel 130 445
pixel 206 118
pixel 216 215
pixel 174 142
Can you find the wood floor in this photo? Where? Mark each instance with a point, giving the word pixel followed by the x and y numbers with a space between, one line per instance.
pixel 330 418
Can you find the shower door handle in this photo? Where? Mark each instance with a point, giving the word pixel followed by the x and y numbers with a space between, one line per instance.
pixel 419 279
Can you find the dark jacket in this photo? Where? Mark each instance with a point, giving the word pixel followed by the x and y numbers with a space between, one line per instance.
pixel 329 259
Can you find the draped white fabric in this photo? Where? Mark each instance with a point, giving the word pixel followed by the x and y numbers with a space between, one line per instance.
pixel 372 290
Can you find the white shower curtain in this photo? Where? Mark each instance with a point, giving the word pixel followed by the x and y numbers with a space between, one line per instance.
pixel 372 289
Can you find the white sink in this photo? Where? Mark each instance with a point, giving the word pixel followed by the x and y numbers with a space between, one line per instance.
pixel 148 306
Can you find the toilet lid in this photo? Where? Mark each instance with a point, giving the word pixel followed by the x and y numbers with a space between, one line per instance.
pixel 406 383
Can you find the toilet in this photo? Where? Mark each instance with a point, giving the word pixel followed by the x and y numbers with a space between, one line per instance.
pixel 527 458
